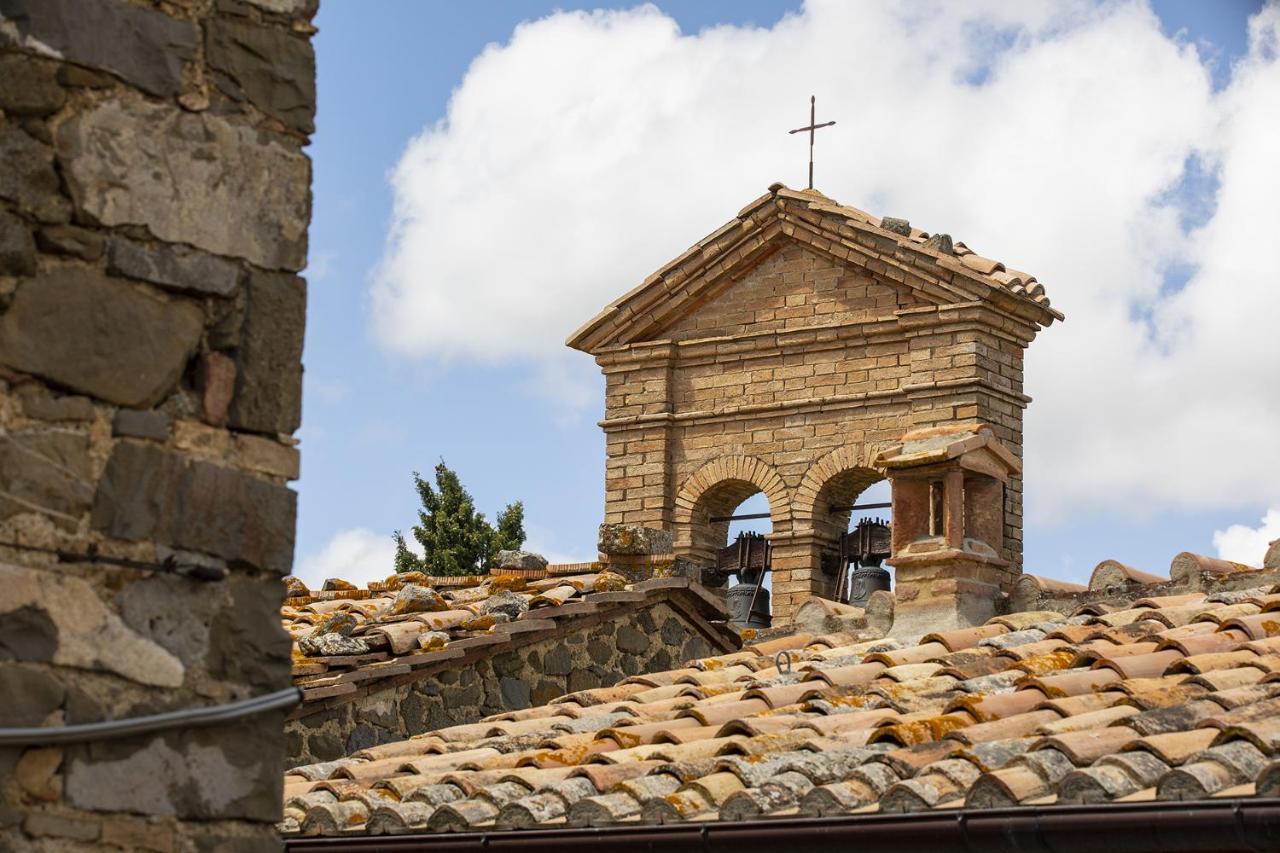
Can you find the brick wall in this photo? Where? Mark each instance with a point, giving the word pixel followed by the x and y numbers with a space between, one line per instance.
pixel 154 203
pixel 789 380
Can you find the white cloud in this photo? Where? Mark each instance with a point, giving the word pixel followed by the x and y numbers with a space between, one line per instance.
pixel 593 147
pixel 358 555
pixel 541 540
pixel 1243 544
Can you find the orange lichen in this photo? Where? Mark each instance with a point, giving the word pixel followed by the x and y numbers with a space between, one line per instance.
pixel 622 738
pixel 1048 662
pixel 853 700
pixel 432 643
pixel 919 731
pixel 610 582
pixel 507 583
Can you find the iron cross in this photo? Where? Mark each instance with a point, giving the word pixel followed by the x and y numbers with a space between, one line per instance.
pixel 811 128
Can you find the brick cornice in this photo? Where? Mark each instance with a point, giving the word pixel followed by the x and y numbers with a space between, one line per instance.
pixel 961 317
pixel 829 403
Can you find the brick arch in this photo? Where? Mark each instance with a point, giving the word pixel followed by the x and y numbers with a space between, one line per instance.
pixel 717 488
pixel 837 478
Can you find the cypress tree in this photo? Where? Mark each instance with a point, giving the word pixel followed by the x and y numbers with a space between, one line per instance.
pixel 455 538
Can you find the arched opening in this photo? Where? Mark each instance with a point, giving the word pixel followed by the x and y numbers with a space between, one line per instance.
pixel 756 505
pixel 715 518
pixel 849 514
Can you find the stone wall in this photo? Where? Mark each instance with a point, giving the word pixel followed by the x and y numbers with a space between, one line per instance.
pixel 154 203
pixel 648 640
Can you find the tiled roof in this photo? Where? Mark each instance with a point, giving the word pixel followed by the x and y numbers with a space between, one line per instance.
pixel 838 228
pixel 1172 697
pixel 347 639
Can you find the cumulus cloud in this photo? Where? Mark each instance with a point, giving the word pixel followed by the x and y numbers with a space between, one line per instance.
pixel 593 147
pixel 1243 544
pixel 358 555
pixel 542 540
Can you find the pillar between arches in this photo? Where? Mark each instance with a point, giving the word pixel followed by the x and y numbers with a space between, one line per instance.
pixel 797 571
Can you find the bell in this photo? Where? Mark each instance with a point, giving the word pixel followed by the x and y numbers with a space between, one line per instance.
pixel 866 580
pixel 738 603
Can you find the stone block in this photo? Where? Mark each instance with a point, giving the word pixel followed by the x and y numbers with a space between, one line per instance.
pixel 271 67
pixel 1272 559
pixel 33 695
pixel 148 606
pixel 266 456
pixel 159 495
pixel 53 825
pixel 37 774
pixel 131 833
pixel 17 248
pixel 246 644
pixel 516 559
pixel 88 634
pixel 220 772
pixel 507 603
pixel 558 661
pixel 98 336
pixel 415 598
pixel 136 423
pixel 515 693
pixel 633 540
pixel 216 382
pixel 189 178
pixel 631 640
pixel 70 240
pixel 946 612
pixel 45 471
pixel 41 404
pixel 268 395
pixel 29 86
pixel 28 634
pixel 177 267
pixel 28 178
pixel 361 737
pixel 143 46
pixel 303 8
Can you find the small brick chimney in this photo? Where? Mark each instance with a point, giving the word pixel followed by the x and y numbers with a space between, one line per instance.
pixel 948 526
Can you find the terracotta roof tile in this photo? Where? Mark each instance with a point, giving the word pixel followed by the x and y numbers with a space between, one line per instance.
pixel 412 622
pixel 1125 709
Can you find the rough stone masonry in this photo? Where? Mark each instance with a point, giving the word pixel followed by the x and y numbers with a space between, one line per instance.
pixel 154 203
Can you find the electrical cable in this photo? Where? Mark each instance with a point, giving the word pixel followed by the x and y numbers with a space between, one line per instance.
pixel 187 718
pixel 195 571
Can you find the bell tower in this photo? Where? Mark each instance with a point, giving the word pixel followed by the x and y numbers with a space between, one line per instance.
pixel 789 352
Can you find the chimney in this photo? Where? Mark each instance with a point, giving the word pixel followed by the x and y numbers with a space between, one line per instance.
pixel 948 527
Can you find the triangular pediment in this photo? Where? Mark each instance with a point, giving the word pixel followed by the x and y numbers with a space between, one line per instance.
pixel 791 286
pixel 704 291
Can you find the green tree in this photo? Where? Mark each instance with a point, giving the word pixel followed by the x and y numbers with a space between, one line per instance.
pixel 455 538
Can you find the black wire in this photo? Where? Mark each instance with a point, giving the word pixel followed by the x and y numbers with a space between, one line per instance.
pixel 194 571
pixel 187 718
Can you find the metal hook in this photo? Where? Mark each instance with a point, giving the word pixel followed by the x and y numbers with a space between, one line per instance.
pixel 777 661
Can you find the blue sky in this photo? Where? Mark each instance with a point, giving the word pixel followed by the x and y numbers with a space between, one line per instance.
pixel 374 413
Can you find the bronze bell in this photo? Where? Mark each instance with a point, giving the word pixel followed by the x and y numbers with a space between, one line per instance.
pixel 865 547
pixel 866 580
